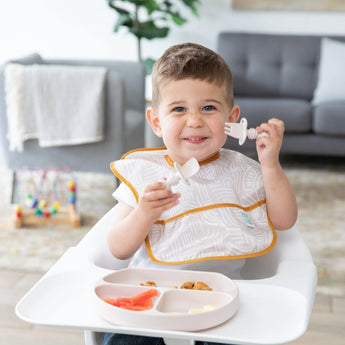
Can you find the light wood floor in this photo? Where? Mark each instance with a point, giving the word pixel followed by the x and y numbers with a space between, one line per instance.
pixel 327 324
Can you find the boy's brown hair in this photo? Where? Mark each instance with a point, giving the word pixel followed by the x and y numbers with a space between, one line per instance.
pixel 193 61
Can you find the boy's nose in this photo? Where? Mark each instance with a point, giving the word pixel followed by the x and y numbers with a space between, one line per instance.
pixel 194 119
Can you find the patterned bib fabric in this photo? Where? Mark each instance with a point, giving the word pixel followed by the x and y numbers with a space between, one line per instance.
pixel 221 214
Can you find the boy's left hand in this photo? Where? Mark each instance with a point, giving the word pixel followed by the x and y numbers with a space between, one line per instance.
pixel 268 147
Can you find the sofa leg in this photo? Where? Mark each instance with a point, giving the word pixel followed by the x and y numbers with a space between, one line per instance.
pixel 13 190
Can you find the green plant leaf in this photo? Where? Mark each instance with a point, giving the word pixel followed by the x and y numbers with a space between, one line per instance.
pixel 148 63
pixel 119 10
pixel 177 19
pixel 139 3
pixel 123 20
pixel 192 4
pixel 149 30
pixel 151 6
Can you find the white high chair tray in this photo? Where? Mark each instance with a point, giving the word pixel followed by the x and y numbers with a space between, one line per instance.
pixel 267 314
pixel 271 310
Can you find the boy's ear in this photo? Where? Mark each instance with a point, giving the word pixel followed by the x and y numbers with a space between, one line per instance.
pixel 234 113
pixel 154 122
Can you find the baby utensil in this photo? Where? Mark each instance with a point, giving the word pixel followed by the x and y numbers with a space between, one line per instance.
pixel 182 172
pixel 240 131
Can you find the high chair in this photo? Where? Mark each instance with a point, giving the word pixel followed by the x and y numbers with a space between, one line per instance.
pixel 276 294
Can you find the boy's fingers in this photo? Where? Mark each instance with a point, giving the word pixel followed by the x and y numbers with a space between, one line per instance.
pixel 278 124
pixel 265 127
pixel 154 186
pixel 166 203
pixel 157 194
pixel 262 142
pixel 273 126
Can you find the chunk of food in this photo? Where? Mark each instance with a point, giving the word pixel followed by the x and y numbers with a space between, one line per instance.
pixel 140 302
pixel 207 307
pixel 148 283
pixel 196 286
pixel 187 285
pixel 201 286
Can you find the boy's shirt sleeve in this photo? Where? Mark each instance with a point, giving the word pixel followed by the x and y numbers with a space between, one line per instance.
pixel 124 194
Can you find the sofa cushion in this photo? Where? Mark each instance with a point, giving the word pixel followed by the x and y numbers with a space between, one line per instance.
pixel 266 65
pixel 329 118
pixel 331 81
pixel 295 113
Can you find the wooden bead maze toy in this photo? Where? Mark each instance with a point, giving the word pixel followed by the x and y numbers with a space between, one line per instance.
pixel 45 197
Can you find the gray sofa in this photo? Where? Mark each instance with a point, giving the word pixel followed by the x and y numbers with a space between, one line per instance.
pixel 275 76
pixel 124 95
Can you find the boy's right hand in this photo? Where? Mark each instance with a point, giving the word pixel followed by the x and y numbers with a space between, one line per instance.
pixel 155 199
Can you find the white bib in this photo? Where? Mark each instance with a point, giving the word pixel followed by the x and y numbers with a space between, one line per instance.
pixel 221 214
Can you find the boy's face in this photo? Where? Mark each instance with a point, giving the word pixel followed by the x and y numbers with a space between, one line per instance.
pixel 190 117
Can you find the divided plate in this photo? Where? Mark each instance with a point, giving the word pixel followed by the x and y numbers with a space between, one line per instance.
pixel 172 306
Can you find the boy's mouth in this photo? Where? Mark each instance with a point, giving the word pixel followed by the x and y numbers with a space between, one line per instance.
pixel 195 140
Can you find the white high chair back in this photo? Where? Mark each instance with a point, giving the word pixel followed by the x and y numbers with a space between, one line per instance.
pixel 289 264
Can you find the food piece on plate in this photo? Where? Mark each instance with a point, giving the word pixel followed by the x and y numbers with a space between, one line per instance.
pixel 210 307
pixel 196 310
pixel 173 287
pixel 142 297
pixel 207 307
pixel 201 286
pixel 134 308
pixel 187 285
pixel 111 301
pixel 140 302
pixel 149 283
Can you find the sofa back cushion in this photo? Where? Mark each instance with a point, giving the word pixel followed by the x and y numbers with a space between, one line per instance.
pixel 266 65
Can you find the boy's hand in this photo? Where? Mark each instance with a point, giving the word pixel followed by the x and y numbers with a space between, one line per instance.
pixel 155 199
pixel 268 147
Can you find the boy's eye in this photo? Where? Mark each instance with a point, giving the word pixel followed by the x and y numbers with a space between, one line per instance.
pixel 179 109
pixel 208 108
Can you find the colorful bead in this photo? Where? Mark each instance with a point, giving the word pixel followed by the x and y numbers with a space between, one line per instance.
pixel 52 210
pixel 71 184
pixel 38 212
pixel 18 210
pixel 42 204
pixel 56 205
pixel 46 214
pixel 28 200
pixel 34 203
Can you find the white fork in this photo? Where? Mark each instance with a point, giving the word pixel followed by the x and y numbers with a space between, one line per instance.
pixel 240 131
pixel 183 173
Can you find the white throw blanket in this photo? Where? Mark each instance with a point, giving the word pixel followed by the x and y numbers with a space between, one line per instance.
pixel 58 105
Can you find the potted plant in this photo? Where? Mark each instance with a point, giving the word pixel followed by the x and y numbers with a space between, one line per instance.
pixel 150 19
